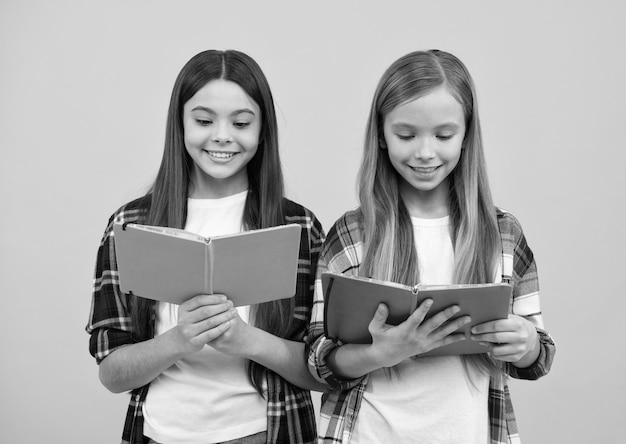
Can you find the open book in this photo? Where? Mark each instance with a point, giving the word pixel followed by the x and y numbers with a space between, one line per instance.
pixel 173 265
pixel 351 301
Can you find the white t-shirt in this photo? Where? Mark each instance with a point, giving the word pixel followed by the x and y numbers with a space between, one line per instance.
pixel 429 399
pixel 205 397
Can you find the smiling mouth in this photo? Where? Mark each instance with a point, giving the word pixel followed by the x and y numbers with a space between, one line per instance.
pixel 220 154
pixel 425 170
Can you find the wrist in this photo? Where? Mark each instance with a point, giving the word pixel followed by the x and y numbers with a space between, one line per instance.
pixel 531 355
pixel 170 344
pixel 378 357
pixel 253 342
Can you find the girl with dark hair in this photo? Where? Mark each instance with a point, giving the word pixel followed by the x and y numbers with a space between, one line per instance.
pixel 426 216
pixel 204 371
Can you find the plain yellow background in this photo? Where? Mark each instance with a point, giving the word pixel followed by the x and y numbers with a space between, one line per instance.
pixel 84 88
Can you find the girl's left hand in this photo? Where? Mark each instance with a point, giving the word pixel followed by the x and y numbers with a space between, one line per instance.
pixel 238 338
pixel 512 340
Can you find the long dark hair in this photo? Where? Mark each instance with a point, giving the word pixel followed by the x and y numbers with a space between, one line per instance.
pixel 264 204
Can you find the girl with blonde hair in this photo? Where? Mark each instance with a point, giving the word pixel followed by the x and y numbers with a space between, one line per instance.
pixel 426 216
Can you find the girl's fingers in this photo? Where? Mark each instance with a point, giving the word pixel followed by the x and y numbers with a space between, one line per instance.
pixel 511 324
pixel 214 333
pixel 450 339
pixel 200 333
pixel 379 320
pixel 507 352
pixel 496 338
pixel 195 329
pixel 208 311
pixel 214 321
pixel 417 317
pixel 450 327
pixel 203 300
pixel 204 311
pixel 441 318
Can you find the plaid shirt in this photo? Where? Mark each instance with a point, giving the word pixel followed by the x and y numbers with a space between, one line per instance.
pixel 290 414
pixel 342 254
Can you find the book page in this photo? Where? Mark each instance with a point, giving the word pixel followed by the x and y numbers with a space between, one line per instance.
pixel 160 266
pixel 256 266
pixel 177 232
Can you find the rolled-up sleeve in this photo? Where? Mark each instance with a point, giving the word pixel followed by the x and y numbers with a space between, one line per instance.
pixel 319 345
pixel 109 323
pixel 338 255
pixel 526 303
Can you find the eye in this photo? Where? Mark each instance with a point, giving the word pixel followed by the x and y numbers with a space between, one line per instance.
pixel 241 125
pixel 445 136
pixel 405 136
pixel 204 122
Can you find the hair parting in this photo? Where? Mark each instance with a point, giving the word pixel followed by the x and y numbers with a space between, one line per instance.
pixel 389 247
pixel 264 204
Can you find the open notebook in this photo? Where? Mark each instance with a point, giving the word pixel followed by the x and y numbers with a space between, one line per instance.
pixel 173 265
pixel 350 304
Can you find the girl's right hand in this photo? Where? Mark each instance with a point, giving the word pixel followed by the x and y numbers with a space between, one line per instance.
pixel 392 344
pixel 202 319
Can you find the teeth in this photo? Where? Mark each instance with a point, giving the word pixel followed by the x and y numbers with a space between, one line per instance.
pixel 220 155
pixel 424 170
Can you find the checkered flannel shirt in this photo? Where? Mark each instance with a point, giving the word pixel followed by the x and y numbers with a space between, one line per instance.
pixel 342 254
pixel 290 414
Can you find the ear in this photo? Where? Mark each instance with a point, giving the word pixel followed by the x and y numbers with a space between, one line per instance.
pixel 380 132
pixel 382 143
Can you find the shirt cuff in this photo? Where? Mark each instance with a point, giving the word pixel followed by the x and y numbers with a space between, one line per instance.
pixel 318 364
pixel 542 364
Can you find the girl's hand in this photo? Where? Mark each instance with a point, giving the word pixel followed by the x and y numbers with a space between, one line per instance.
pixel 512 340
pixel 392 344
pixel 237 340
pixel 201 319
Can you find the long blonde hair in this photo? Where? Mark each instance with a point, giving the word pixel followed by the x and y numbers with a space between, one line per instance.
pixel 389 247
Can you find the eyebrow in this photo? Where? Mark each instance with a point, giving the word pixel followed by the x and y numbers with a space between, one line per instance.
pixel 403 125
pixel 234 113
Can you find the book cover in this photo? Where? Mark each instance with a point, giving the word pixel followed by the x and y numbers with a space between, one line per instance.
pixel 173 265
pixel 351 301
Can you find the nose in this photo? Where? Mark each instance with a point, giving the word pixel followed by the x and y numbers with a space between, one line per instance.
pixel 424 149
pixel 222 136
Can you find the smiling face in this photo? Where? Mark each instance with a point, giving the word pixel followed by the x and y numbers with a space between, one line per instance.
pixel 424 139
pixel 222 125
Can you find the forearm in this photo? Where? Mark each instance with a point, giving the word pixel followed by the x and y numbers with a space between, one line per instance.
pixel 135 365
pixel 353 361
pixel 282 356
